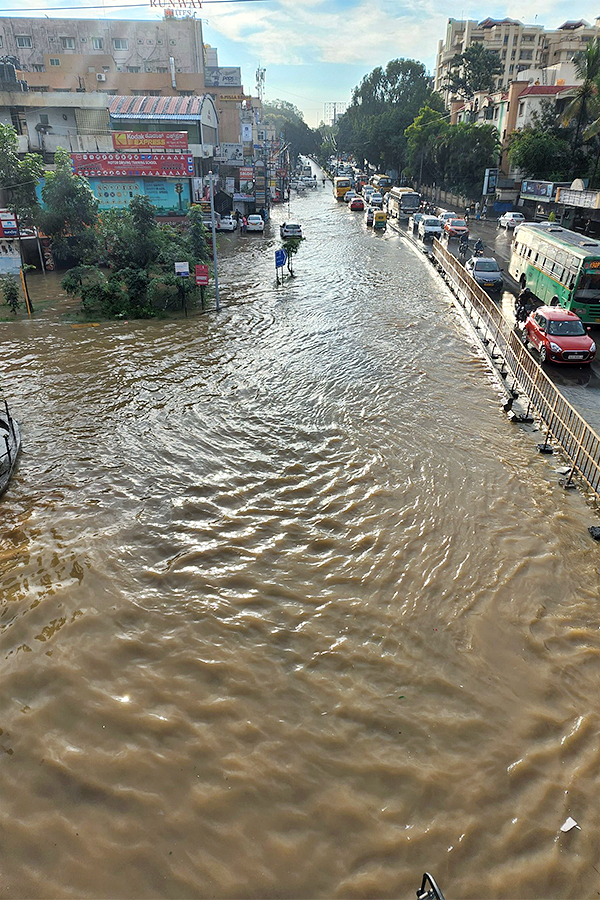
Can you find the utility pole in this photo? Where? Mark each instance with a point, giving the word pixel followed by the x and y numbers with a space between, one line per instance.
pixel 214 237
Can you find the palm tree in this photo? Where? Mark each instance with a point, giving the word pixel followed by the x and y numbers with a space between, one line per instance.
pixel 587 66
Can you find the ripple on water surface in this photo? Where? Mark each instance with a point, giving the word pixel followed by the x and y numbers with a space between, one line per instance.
pixel 288 609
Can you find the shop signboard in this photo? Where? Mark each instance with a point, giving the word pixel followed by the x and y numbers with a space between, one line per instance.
pixel 247 132
pixel 150 140
pixel 201 275
pixel 133 165
pixel 8 224
pixel 541 190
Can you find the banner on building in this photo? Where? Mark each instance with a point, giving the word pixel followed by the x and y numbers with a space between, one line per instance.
pixel 8 224
pixel 219 76
pixel 231 154
pixel 229 185
pixel 133 165
pixel 150 140
pixel 246 132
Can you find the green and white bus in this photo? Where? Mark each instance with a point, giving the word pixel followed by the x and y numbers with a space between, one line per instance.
pixel 555 262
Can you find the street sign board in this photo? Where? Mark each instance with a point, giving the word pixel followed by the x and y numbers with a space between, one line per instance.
pixel 182 269
pixel 201 275
pixel 280 258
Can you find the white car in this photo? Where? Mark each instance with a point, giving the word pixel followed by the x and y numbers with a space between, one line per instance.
pixel 290 230
pixel 227 223
pixel 376 199
pixel 349 195
pixel 510 220
pixel 255 223
pixel 430 227
pixel 445 215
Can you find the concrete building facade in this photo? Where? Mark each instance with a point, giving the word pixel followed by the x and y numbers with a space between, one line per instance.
pixel 520 48
pixel 114 56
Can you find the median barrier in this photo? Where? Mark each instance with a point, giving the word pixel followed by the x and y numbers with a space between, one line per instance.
pixel 563 424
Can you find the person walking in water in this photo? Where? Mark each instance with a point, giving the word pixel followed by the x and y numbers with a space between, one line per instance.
pixel 244 224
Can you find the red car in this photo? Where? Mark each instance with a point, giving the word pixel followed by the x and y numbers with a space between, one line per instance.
pixel 357 204
pixel 559 336
pixel 456 228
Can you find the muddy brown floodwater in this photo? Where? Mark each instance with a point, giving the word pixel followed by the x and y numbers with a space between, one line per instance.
pixel 289 609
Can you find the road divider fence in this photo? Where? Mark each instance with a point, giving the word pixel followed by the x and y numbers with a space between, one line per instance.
pixel 578 441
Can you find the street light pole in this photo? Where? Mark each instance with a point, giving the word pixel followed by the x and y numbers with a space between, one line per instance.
pixel 214 237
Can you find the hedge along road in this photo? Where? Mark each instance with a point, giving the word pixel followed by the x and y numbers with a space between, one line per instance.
pixel 289 608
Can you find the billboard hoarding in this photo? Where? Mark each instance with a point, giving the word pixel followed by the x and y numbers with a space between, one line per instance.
pixel 150 140
pixel 133 165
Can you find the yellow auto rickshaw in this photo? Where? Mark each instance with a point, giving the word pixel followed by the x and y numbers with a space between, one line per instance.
pixel 379 220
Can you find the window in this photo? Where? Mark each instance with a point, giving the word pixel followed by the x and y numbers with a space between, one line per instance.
pixel 38 68
pixel 526 54
pixel 162 69
pixel 106 68
pixel 1 41
pixel 43 88
pixel 23 41
pixel 97 43
pixel 120 43
pixel 54 61
pixel 133 68
pixel 67 43
pixel 521 108
pixel 506 39
pixel 43 119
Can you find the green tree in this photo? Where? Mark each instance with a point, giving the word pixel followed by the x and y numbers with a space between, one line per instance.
pixel 540 154
pixel 587 67
pixel 422 136
pixel 10 291
pixel 19 177
pixel 70 213
pixel 383 105
pixel 140 255
pixel 289 123
pixel 462 154
pixel 472 71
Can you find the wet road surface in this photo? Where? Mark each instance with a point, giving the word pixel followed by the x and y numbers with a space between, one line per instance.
pixel 288 608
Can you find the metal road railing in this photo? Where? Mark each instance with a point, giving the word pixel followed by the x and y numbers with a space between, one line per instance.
pixel 577 440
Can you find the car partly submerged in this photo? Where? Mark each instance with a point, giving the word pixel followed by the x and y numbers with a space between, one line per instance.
pixel 255 223
pixel 288 230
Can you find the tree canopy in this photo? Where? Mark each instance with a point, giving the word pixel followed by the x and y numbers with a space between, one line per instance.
pixel 474 70
pixel 19 177
pixel 383 105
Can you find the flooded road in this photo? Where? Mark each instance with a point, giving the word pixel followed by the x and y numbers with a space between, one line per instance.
pixel 289 609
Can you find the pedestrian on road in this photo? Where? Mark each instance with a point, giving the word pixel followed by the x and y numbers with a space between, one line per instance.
pixel 484 211
pixel 244 224
pixel 467 214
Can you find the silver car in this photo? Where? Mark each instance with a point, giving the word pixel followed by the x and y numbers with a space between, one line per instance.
pixel 430 227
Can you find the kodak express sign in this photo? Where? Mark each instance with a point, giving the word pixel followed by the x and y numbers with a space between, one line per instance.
pixel 150 140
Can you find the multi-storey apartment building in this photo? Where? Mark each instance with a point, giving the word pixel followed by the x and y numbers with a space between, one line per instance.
pixel 115 56
pixel 519 47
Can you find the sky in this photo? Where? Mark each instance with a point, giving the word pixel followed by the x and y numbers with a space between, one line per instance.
pixel 317 51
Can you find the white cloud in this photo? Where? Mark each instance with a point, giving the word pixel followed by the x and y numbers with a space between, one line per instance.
pixel 318 32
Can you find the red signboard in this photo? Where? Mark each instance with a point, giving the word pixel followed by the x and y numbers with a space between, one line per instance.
pixel 247 173
pixel 202 275
pixel 128 165
pixel 149 140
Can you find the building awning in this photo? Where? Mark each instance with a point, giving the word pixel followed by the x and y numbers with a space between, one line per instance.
pixel 164 109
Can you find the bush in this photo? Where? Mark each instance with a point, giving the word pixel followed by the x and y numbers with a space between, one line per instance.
pixel 10 292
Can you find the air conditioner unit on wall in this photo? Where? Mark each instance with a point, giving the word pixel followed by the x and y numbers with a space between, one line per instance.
pixel 100 77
